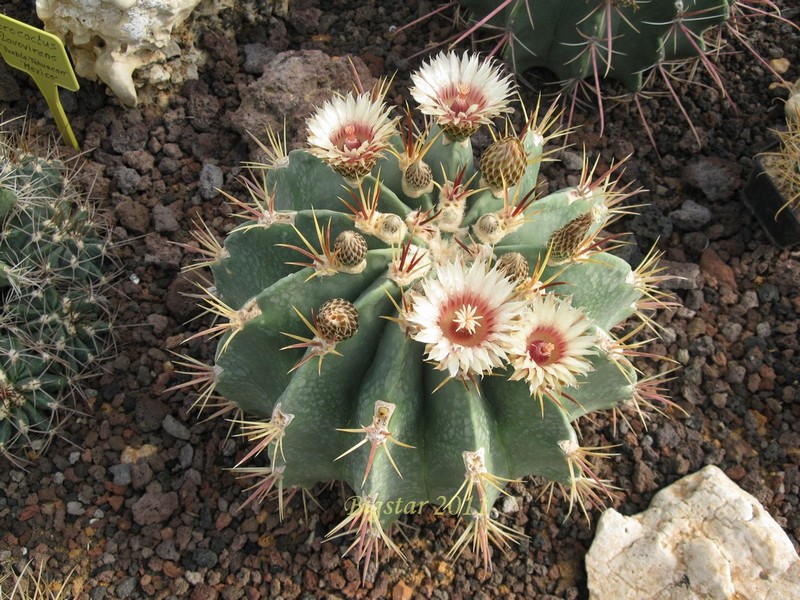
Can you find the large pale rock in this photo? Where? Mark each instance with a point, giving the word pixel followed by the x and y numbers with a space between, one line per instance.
pixel 702 538
pixel 109 39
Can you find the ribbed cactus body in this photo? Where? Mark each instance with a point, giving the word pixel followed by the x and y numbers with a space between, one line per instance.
pixel 54 320
pixel 454 355
pixel 621 40
pixel 381 363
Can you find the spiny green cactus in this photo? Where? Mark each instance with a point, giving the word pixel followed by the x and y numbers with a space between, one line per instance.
pixel 54 319
pixel 391 317
pixel 631 41
pixel 619 39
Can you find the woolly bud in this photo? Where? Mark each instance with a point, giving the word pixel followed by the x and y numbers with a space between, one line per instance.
pixel 513 265
pixel 487 228
pixel 337 320
pixel 503 164
pixel 392 228
pixel 417 179
pixel 10 396
pixel 350 248
pixel 566 240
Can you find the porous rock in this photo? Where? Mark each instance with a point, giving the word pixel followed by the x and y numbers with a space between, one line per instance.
pixel 180 301
pixel 717 178
pixel 210 181
pixel 154 507
pixel 293 85
pixel 109 39
pixel 691 216
pixel 135 45
pixel 702 537
pixel 133 216
pixel 682 276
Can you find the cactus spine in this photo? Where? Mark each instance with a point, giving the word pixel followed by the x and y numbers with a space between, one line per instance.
pixel 455 355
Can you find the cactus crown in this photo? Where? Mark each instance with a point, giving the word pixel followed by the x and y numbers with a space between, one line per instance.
pixel 425 341
pixel 54 318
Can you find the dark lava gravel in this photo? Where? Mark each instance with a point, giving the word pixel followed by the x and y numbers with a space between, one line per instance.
pixel 168 525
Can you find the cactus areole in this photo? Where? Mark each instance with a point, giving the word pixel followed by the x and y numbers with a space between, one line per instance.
pixel 425 338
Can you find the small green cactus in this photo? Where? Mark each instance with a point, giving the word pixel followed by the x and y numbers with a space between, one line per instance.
pixel 391 317
pixel 54 319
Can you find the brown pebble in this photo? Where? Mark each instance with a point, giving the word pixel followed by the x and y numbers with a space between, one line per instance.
pixel 767 375
pixel 402 591
pixel 335 579
pixel 28 512
pixel 736 472
pixel 133 216
pixel 223 520
pixel 172 570
pixel 154 507
pixel 204 592
pixel 643 478
pixel 118 490
pixel 715 268
pixel 310 580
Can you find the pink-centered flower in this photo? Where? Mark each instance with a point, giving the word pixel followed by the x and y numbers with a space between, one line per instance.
pixel 350 133
pixel 461 93
pixel 468 317
pixel 554 344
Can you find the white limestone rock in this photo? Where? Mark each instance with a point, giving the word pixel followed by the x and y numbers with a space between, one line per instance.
pixel 109 39
pixel 146 47
pixel 703 537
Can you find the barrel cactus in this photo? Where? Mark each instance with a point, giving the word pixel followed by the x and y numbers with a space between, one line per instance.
pixel 426 331
pixel 54 319
pixel 620 39
pixel 634 42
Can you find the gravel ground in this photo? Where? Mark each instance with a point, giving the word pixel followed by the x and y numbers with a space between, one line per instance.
pixel 168 526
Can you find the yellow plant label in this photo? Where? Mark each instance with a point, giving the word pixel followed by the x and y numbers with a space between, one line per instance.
pixel 43 57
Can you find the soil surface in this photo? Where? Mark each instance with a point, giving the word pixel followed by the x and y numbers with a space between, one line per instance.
pixel 169 525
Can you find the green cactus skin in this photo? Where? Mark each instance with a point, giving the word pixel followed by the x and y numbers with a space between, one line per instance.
pixel 324 420
pixel 617 39
pixel 54 319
